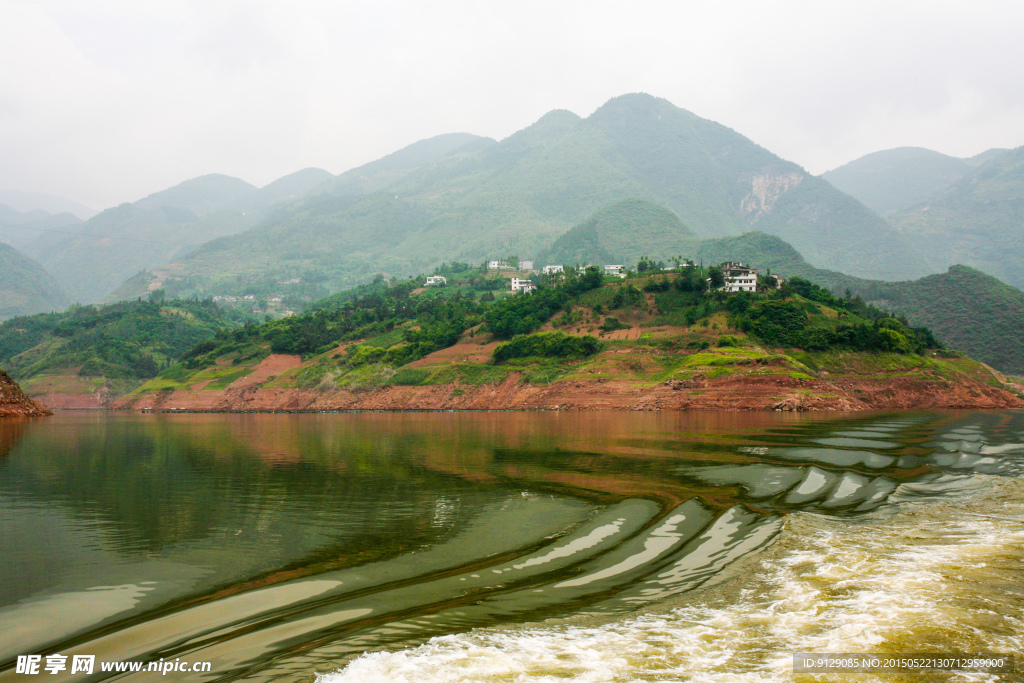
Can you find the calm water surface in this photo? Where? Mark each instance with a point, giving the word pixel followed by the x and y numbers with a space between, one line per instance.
pixel 509 546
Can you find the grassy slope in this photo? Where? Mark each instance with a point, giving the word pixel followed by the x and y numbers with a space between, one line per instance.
pixel 966 308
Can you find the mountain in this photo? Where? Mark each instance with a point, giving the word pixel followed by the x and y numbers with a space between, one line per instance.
pixel 96 257
pixel 19 228
pixel 896 179
pixel 978 221
pixel 378 174
pixel 482 199
pixel 25 287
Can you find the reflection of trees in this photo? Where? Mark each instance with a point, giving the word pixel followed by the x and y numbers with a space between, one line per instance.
pixel 156 483
pixel 11 430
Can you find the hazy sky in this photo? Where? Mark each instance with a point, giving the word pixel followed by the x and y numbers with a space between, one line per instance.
pixel 105 101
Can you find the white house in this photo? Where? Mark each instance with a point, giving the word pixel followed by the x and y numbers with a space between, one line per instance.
pixel 499 265
pixel 436 280
pixel 616 270
pixel 522 285
pixel 738 277
pixel 526 265
pixel 551 270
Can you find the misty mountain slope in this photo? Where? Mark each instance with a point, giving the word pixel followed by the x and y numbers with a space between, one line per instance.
pixel 978 222
pixel 25 287
pixel 19 228
pixel 516 196
pixel 896 179
pixel 99 255
pixel 390 169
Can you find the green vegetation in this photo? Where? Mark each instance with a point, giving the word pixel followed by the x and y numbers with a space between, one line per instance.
pixel 977 222
pixel 129 340
pixel 385 333
pixel 967 309
pixel 547 344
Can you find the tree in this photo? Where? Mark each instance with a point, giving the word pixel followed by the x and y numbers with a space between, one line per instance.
pixel 717 277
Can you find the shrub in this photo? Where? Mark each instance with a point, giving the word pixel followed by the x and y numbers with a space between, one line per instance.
pixel 547 344
pixel 410 377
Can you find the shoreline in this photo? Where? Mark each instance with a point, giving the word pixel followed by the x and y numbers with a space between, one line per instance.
pixel 740 394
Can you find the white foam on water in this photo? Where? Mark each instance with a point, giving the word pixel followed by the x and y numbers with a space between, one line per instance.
pixel 927 578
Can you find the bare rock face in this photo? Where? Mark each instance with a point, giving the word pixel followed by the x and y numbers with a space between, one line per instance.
pixel 14 402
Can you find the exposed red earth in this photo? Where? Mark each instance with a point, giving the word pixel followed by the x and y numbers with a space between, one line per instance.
pixel 14 402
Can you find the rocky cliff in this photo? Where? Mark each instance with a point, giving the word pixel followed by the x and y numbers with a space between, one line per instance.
pixel 14 402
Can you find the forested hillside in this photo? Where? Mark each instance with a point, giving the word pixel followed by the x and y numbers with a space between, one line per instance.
pixel 129 341
pixel 387 333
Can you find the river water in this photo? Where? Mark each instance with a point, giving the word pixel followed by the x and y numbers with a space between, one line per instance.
pixel 510 546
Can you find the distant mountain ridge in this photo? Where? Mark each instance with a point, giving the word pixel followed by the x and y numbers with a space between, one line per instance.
pixel 896 179
pixel 952 211
pixel 25 202
pixel 978 222
pixel 19 228
pixel 99 255
pixel 471 198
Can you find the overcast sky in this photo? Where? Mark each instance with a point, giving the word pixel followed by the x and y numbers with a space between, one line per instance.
pixel 106 101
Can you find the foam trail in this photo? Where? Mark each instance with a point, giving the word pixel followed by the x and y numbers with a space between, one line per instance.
pixel 927 577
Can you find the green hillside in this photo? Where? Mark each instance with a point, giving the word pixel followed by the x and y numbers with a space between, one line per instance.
pixel 978 222
pixel 484 199
pixel 377 175
pixel 967 309
pixel 621 233
pixel 25 287
pixel 129 341
pixel 389 333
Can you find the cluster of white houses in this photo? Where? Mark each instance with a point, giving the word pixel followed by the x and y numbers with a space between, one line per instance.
pixel 738 277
